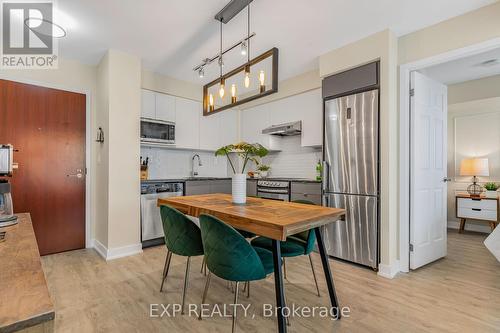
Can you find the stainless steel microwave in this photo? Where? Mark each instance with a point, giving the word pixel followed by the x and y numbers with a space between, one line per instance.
pixel 157 132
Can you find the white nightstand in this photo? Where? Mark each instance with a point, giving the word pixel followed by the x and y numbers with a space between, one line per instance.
pixel 477 208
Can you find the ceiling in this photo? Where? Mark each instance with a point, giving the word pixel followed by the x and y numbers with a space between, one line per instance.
pixel 172 36
pixel 466 69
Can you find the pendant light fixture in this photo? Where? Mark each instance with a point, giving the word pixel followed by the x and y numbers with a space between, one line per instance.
pixel 221 64
pixel 247 67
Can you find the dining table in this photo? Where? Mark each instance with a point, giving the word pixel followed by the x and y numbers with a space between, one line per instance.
pixel 273 219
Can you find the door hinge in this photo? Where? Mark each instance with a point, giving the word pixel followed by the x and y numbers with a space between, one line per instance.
pixel 412 92
pixel 411 247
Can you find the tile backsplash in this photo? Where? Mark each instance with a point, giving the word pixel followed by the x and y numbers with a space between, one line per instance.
pixel 176 163
pixel 292 161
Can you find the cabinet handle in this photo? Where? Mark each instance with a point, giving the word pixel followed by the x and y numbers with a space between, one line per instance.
pixel 476 199
pixel 476 209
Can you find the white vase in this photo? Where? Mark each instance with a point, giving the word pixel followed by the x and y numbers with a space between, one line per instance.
pixel 491 194
pixel 263 174
pixel 239 188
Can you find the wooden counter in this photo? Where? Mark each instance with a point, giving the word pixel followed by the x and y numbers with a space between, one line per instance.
pixel 24 297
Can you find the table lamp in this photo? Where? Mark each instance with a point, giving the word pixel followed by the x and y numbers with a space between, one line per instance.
pixel 474 167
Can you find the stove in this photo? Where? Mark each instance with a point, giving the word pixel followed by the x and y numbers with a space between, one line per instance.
pixel 275 189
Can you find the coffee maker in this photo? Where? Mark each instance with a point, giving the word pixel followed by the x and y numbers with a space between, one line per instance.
pixel 7 165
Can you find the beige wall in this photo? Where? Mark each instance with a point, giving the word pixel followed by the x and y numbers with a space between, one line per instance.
pixel 471 28
pixel 171 86
pixel 473 90
pixel 380 46
pixel 102 153
pixel 289 87
pixel 119 83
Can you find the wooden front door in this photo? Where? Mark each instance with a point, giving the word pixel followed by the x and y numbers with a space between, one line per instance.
pixel 47 127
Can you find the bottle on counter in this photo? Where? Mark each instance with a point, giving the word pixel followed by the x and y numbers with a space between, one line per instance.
pixel 319 170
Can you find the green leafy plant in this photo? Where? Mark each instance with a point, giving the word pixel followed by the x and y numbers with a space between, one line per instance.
pixel 245 151
pixel 263 167
pixel 491 186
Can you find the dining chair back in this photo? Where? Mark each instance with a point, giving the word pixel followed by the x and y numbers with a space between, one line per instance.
pixel 227 253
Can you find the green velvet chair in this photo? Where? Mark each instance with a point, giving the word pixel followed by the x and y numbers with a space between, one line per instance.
pixel 230 256
pixel 297 245
pixel 183 238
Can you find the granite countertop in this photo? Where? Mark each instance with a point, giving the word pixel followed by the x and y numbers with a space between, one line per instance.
pixel 25 297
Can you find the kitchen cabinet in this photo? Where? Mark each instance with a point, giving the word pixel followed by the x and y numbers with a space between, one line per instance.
pixel 148 104
pixel 194 187
pixel 187 128
pixel 252 122
pixel 306 107
pixel 218 130
pixel 165 107
pixel 311 104
pixel 252 187
pixel 306 191
pixel 157 106
pixel 221 186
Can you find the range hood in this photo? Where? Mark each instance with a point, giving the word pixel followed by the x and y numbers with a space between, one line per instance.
pixel 288 129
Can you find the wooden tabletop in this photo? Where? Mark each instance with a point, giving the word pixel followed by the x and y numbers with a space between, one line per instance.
pixel 264 217
pixel 24 296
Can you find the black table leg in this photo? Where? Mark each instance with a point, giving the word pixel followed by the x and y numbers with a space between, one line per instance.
pixel 278 284
pixel 328 272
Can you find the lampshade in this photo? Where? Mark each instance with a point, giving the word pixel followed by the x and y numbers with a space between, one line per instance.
pixel 474 167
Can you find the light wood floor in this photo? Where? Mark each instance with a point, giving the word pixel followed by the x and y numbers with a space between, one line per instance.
pixel 460 293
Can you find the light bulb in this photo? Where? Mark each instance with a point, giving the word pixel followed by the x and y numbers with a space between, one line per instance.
pixel 247 76
pixel 233 93
pixel 244 48
pixel 262 80
pixel 211 102
pixel 221 91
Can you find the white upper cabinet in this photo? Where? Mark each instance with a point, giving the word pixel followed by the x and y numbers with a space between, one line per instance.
pixel 209 131
pixel 187 125
pixel 219 129
pixel 148 104
pixel 306 107
pixel 165 107
pixel 228 127
pixel 311 104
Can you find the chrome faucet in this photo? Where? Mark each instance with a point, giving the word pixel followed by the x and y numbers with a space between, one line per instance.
pixel 193 172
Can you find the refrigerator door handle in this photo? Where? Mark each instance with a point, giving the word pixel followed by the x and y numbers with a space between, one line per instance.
pixel 324 176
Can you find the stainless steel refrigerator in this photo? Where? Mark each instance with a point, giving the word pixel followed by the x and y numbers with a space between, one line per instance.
pixel 351 176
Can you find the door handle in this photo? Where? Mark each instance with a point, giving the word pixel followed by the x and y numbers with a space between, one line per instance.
pixel 446 179
pixel 324 176
pixel 78 174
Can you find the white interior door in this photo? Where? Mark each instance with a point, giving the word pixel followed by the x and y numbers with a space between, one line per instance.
pixel 428 189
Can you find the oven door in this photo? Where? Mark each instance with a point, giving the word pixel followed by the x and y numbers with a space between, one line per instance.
pixel 273 195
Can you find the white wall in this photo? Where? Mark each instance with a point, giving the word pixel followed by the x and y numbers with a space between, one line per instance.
pixel 473 131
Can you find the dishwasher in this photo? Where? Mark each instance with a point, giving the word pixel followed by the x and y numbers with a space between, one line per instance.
pixel 151 224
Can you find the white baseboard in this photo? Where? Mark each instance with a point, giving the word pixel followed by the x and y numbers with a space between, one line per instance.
pixel 117 252
pixel 388 271
pixel 484 228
